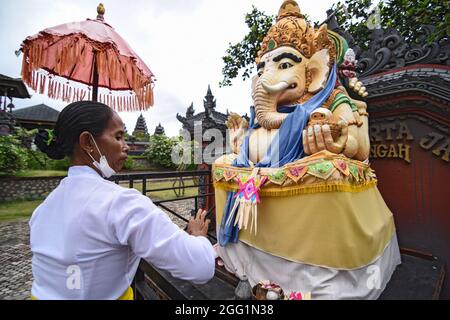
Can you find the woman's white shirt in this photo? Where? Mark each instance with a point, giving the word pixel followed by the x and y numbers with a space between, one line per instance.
pixel 88 236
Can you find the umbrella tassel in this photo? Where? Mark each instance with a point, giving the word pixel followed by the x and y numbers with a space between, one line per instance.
pixel 35 80
pixel 42 87
pixel 32 80
pixel 55 92
pixel 55 83
pixel 49 88
pixel 25 69
pixel 54 89
pixel 69 98
pixel 58 90
pixel 39 84
pixel 38 81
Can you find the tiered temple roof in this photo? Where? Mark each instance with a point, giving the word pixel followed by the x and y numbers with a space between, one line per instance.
pixel 210 118
pixel 141 126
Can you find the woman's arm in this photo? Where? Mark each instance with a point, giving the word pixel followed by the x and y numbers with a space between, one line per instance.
pixel 149 232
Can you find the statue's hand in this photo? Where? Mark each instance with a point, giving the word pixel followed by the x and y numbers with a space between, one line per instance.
pixel 318 137
pixel 358 87
pixel 237 127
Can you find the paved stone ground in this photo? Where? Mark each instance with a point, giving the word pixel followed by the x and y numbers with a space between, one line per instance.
pixel 15 261
pixel 15 256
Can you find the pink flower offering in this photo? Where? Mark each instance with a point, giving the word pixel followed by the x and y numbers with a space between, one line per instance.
pixel 295 296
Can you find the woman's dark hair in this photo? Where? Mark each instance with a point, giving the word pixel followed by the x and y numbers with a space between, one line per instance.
pixel 74 119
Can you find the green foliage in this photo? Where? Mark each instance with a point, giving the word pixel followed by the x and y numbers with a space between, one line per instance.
pixel 16 155
pixel 58 165
pixel 405 16
pixel 159 151
pixel 140 136
pixel 12 155
pixel 186 152
pixel 242 55
pixel 128 165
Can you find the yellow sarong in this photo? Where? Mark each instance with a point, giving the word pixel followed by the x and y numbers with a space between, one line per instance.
pixel 127 295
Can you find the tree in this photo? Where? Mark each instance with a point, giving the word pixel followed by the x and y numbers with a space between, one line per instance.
pixel 242 55
pixel 12 155
pixel 406 16
pixel 159 151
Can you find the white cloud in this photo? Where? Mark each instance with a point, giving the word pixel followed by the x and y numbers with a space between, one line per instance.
pixel 181 41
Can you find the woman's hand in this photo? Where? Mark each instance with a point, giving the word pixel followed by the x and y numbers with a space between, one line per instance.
pixel 198 226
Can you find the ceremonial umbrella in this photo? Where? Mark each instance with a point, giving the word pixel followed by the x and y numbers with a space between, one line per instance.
pixel 70 60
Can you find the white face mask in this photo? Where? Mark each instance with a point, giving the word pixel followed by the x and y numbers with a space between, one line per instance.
pixel 103 166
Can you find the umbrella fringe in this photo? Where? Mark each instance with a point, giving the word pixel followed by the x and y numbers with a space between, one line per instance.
pixel 74 51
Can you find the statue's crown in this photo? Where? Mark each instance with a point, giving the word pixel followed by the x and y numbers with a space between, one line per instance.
pixel 291 29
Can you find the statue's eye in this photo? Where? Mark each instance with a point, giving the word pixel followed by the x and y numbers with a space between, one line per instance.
pixel 285 65
pixel 260 72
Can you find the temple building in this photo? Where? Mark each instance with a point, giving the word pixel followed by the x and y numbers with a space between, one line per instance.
pixel 209 119
pixel 160 130
pixel 139 140
pixel 141 127
pixel 39 116
pixel 10 88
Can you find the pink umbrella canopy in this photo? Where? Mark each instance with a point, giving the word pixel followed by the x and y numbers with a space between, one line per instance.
pixel 92 53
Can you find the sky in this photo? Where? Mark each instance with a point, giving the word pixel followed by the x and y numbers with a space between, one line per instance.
pixel 181 41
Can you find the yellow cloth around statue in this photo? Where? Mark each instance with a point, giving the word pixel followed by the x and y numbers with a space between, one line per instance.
pixel 323 210
pixel 340 230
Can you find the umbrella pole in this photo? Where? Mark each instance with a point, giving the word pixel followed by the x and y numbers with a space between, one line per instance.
pixel 94 79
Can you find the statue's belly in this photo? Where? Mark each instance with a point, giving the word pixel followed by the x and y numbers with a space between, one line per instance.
pixel 260 140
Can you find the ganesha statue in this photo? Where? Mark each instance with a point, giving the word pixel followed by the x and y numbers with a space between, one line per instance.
pixel 297 201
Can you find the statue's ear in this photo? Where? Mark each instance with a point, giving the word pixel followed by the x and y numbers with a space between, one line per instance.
pixel 319 69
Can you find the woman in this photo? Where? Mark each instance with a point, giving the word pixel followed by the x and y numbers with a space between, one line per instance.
pixel 88 236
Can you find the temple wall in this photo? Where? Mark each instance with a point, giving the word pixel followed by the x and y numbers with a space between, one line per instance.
pixel 13 189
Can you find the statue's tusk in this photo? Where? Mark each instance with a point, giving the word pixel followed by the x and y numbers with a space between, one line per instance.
pixel 276 87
